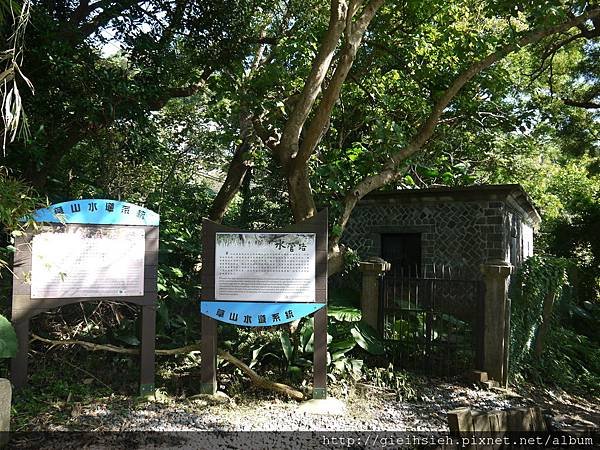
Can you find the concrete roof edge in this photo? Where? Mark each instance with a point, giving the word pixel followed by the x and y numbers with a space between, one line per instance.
pixel 475 192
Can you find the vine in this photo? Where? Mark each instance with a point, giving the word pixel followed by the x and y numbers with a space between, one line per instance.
pixel 540 279
pixel 543 345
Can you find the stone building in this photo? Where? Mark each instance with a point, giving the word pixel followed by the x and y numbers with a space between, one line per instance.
pixel 459 228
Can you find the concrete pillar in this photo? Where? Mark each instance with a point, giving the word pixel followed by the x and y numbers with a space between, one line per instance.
pixel 496 319
pixel 5 405
pixel 369 299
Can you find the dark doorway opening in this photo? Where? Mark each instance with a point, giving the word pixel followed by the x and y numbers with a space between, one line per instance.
pixel 403 251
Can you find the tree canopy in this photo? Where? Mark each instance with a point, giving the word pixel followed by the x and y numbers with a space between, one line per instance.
pixel 296 105
pixel 258 114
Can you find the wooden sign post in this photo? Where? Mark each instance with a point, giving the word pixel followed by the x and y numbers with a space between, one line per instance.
pixel 264 278
pixel 87 250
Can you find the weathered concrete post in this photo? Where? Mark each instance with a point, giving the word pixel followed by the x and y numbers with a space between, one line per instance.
pixel 496 307
pixel 5 402
pixel 369 299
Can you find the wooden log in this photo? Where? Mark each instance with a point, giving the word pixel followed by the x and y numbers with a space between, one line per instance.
pixel 113 348
pixel 260 381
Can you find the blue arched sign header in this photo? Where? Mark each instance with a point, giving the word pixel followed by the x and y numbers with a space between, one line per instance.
pixel 258 314
pixel 97 211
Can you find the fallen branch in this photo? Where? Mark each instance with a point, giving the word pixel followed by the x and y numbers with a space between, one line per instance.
pixel 113 348
pixel 259 381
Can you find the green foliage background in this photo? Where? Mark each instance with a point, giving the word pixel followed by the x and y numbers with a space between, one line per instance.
pixel 571 352
pixel 113 126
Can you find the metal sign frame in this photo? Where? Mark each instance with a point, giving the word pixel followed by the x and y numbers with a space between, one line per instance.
pixel 104 214
pixel 209 306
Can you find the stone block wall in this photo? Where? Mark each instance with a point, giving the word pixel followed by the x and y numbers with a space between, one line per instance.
pixel 460 234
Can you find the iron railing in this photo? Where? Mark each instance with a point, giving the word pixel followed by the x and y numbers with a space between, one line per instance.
pixel 432 322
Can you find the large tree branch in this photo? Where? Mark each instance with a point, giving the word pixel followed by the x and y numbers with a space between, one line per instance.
pixel 319 123
pixel 288 144
pixel 235 174
pixel 585 101
pixel 301 196
pixel 390 169
pixel 175 22
pixel 109 12
pixel 167 94
pixel 240 164
pixel 261 382
pixel 581 104
pixel 268 138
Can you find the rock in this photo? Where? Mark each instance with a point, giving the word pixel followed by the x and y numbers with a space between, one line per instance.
pixel 218 398
pixel 477 376
pixel 491 384
pixel 326 406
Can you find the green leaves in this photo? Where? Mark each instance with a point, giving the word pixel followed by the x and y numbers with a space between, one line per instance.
pixel 8 339
pixel 17 200
pixel 286 345
pixel 344 313
pixel 344 305
pixel 344 297
pixel 537 278
pixel 366 337
pixel 307 337
pixel 341 347
pixel 255 354
pixel 343 338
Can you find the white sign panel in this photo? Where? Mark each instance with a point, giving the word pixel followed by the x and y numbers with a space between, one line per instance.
pixel 88 262
pixel 265 267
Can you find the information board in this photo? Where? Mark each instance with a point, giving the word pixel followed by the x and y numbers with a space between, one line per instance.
pixel 265 267
pixel 261 279
pixel 88 262
pixel 87 250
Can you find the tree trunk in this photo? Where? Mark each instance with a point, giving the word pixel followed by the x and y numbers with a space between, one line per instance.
pixel 237 170
pixel 246 194
pixel 301 198
pixel 545 324
pixel 56 150
pixel 335 258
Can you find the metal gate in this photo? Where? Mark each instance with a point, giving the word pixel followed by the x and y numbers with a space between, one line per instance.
pixel 432 322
